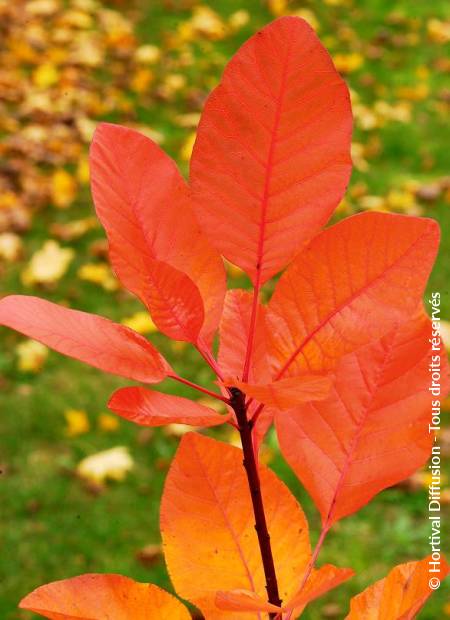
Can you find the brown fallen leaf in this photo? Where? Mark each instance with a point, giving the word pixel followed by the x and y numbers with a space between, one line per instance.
pixel 150 555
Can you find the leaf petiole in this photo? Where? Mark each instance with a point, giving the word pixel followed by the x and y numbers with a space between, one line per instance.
pixel 199 388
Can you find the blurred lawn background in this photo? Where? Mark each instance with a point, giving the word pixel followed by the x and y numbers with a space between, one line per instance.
pixel 65 65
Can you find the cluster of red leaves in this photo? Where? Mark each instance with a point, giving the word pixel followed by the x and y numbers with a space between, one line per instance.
pixel 340 352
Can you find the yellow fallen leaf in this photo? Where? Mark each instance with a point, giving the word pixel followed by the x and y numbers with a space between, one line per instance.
pixel 177 430
pixel 63 188
pixel 98 273
pixel 424 479
pixel 115 24
pixel 278 7
pixel 83 170
pixel 309 17
pixel 112 464
pixel 365 118
pixel 347 63
pixel 189 121
pixel 140 322
pixel 77 422
pixel 399 200
pixel 377 203
pixel 8 200
pixel 147 54
pixel 77 19
pixel 48 264
pixel 108 423
pixel 174 82
pixel 86 127
pixel 45 75
pixel 73 230
pixel 186 149
pixel 400 112
pixel 42 7
pixel 87 50
pixel 418 92
pixel 438 31
pixel 10 247
pixel 141 80
pixel 205 21
pixel 358 157
pixel 238 19
pixel 31 356
pixel 153 134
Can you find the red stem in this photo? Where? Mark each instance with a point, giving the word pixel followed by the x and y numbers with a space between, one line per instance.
pixel 312 561
pixel 209 359
pixel 199 388
pixel 237 401
pixel 257 411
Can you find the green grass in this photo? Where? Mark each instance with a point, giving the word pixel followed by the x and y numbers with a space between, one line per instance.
pixel 51 525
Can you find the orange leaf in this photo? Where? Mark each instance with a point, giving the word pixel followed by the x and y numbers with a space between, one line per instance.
pixel 349 286
pixel 103 597
pixel 289 392
pixel 86 337
pixel 156 409
pixel 144 205
pixel 243 600
pixel 272 156
pixel 206 497
pixel 346 449
pixel 400 595
pixel 319 582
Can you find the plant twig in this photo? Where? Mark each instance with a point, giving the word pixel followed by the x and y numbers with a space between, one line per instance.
pixel 199 388
pixel 209 359
pixel 312 561
pixel 237 401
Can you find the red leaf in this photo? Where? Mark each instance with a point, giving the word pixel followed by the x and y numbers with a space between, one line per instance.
pixel 86 337
pixel 174 302
pixel 400 595
pixel 234 334
pixel 287 393
pixel 349 286
pixel 144 205
pixel 346 449
pixel 103 597
pixel 272 156
pixel 156 409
